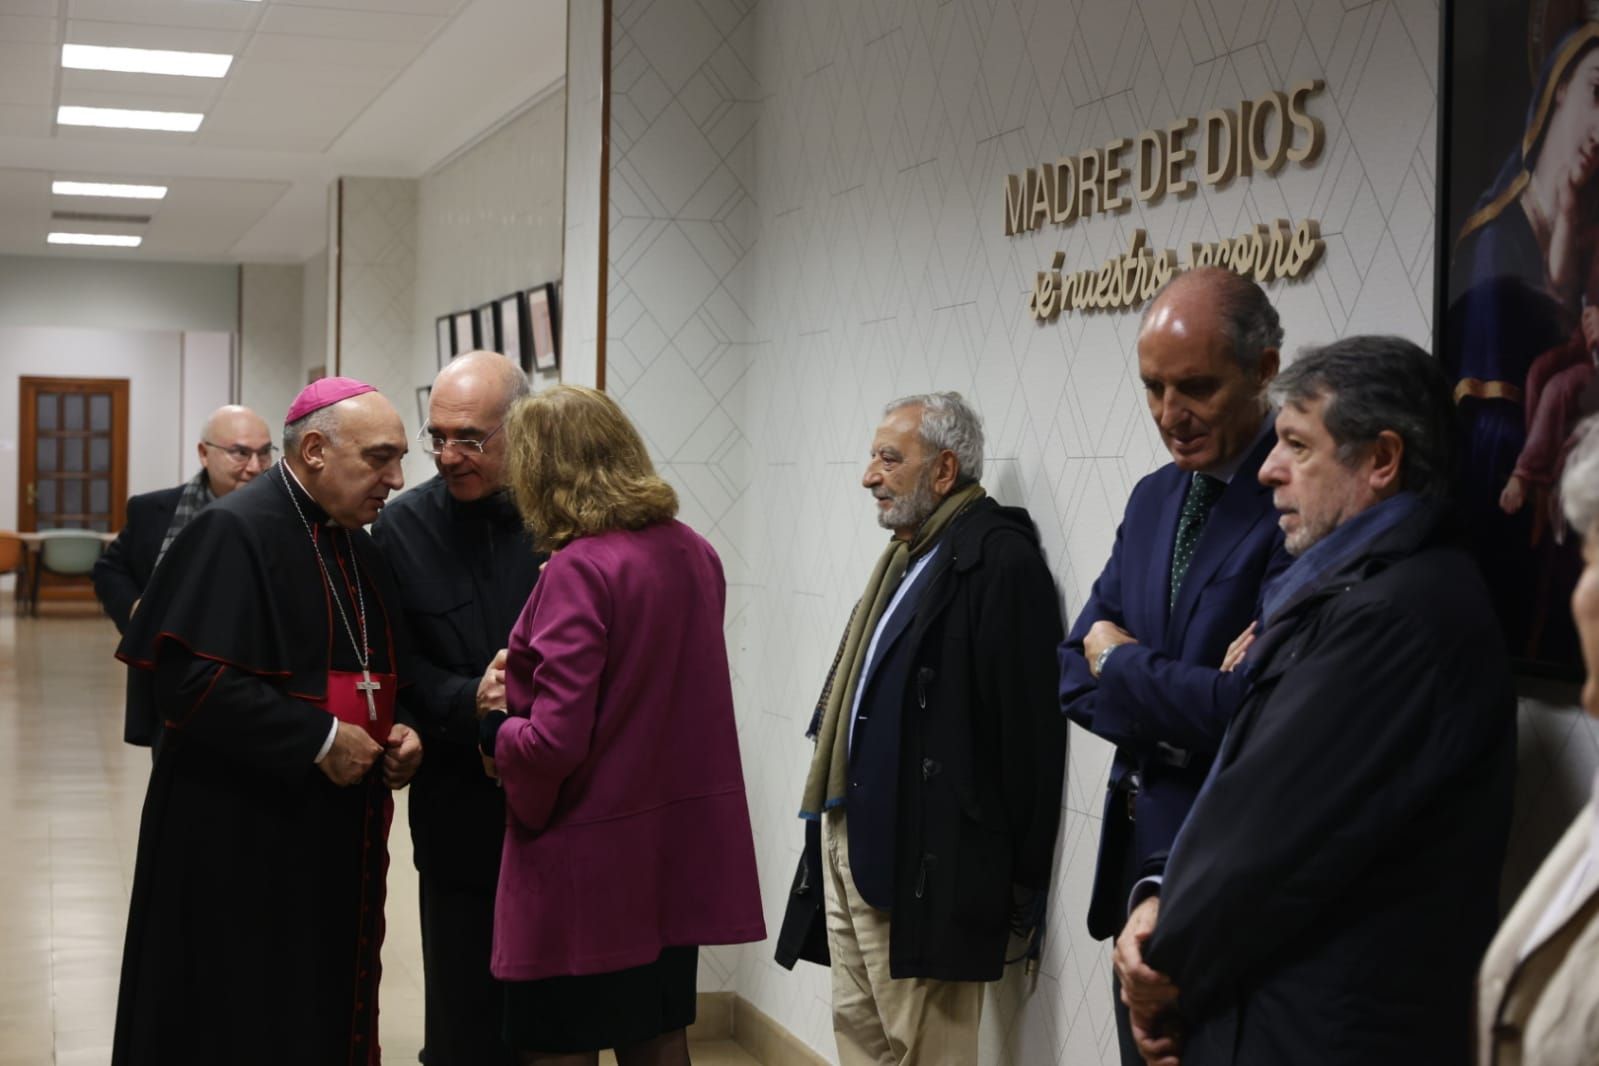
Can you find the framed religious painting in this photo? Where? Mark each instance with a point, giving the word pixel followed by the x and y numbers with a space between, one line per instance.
pixel 544 332
pixel 464 324
pixel 1516 317
pixel 488 329
pixel 444 339
pixel 512 313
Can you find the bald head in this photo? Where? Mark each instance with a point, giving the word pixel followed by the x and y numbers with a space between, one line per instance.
pixel 1213 299
pixel 1207 347
pixel 469 402
pixel 234 447
pixel 347 455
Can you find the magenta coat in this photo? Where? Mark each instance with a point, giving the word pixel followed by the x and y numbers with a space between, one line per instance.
pixel 627 828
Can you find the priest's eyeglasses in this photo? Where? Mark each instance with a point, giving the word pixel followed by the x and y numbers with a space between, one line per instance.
pixel 435 445
pixel 241 455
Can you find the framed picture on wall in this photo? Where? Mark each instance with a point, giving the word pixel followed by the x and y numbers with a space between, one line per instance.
pixel 465 326
pixel 1517 275
pixel 423 394
pixel 542 332
pixel 444 339
pixel 316 373
pixel 513 330
pixel 488 333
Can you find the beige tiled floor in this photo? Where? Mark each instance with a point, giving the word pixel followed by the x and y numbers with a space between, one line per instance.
pixel 70 794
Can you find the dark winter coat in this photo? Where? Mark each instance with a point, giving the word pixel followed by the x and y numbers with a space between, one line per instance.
pixel 981 758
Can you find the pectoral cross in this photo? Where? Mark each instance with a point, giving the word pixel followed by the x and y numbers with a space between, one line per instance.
pixel 368 686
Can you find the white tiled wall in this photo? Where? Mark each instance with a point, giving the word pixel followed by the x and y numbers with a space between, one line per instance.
pixel 315 325
pixel 271 335
pixel 488 224
pixel 376 310
pixel 585 134
pixel 805 221
pixel 681 223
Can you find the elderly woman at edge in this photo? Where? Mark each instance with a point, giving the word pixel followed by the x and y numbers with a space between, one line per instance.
pixel 627 843
pixel 1538 995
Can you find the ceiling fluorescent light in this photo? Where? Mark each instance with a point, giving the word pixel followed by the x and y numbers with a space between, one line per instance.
pixel 98 240
pixel 117 118
pixel 145 61
pixel 100 188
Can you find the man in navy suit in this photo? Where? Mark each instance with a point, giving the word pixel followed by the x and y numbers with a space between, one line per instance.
pixel 1141 667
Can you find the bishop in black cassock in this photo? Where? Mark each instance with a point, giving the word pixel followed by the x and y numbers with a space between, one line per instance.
pixel 269 652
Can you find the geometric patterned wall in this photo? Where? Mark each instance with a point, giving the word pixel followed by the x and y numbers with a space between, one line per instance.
pixel 373 247
pixel 806 221
pixel 489 223
pixel 270 337
pixel 679 226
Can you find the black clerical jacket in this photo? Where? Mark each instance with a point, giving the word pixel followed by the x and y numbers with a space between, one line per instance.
pixel 464 572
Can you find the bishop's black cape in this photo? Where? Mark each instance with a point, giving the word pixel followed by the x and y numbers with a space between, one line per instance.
pixel 257 909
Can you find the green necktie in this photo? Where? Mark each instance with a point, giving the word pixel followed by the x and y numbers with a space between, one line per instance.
pixel 1203 492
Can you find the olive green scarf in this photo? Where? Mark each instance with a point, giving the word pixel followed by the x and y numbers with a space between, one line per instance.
pixel 825 784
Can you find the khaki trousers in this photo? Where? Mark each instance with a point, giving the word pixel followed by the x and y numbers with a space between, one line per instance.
pixel 880 1021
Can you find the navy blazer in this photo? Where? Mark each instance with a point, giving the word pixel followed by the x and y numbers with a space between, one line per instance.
pixel 123 570
pixel 1166 689
pixel 874 754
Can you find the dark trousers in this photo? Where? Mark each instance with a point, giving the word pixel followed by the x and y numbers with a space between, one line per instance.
pixel 1124 1027
pixel 464 1002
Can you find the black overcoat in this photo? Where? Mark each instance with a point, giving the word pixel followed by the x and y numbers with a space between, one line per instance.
pixel 982 756
pixel 1335 885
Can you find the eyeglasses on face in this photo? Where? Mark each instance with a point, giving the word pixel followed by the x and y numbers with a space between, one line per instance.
pixel 241 455
pixel 435 445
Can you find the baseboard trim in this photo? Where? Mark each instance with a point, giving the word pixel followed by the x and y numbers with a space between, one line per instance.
pixel 729 1016
pixel 768 1042
pixel 713 1017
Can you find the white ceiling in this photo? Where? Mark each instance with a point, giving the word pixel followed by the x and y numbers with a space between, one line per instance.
pixel 320 89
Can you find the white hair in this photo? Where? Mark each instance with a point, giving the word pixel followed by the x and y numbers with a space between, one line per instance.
pixel 949 423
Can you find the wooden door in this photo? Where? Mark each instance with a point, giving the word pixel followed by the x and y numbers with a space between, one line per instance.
pixel 74 453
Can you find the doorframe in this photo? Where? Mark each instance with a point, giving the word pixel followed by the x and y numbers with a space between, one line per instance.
pixel 28 389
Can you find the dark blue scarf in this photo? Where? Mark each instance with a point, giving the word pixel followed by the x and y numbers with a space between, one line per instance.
pixel 1336 550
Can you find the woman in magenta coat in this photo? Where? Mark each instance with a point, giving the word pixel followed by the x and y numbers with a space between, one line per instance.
pixel 627 843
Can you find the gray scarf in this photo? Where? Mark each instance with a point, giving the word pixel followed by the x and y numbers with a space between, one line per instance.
pixel 196 494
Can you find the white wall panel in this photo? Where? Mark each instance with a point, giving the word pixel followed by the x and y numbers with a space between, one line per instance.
pixel 805 220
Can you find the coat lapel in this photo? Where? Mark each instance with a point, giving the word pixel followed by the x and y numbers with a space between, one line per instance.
pixel 897 622
pixel 1572 850
pixel 1234 514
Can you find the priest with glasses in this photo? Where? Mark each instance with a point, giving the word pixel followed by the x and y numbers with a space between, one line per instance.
pixel 465 566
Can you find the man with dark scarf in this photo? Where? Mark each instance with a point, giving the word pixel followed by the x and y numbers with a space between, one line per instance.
pixel 465 566
pixel 940 754
pixel 1336 882
pixel 234 447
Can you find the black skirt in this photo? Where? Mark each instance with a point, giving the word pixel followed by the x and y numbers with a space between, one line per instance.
pixel 592 1012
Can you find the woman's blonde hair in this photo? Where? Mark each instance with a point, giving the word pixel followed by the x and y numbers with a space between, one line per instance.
pixel 578 467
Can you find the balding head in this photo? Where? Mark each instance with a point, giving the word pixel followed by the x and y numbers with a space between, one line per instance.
pixel 347 456
pixel 1207 348
pixel 234 447
pixel 469 402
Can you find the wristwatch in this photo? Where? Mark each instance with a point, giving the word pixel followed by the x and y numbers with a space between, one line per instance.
pixel 1100 659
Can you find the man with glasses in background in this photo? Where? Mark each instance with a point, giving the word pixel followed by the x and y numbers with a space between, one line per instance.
pixel 234 447
pixel 465 567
